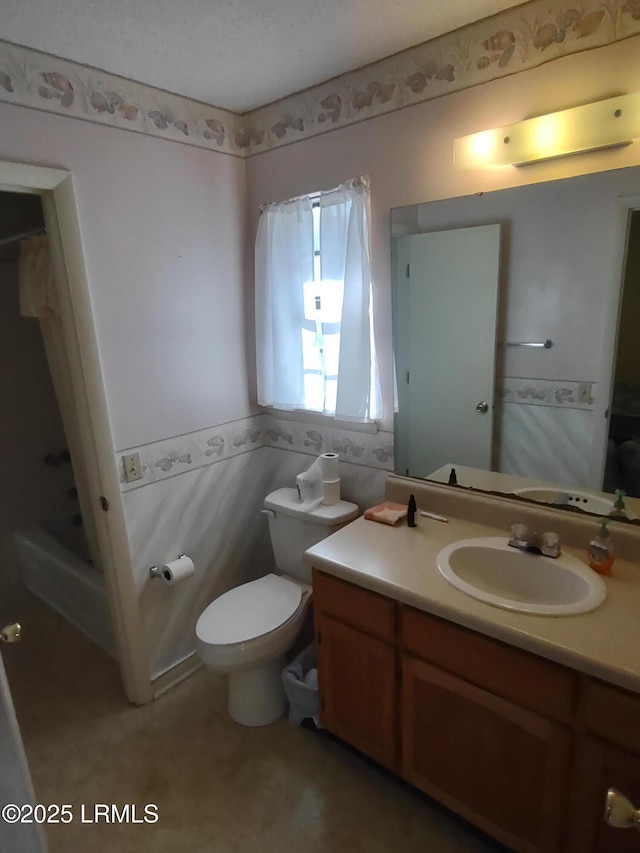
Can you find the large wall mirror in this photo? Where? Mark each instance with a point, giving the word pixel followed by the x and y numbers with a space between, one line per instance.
pixel 517 340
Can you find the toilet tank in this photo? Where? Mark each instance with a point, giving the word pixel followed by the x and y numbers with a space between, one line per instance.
pixel 294 529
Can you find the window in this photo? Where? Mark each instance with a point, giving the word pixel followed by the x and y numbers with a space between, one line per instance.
pixel 323 300
pixel 314 332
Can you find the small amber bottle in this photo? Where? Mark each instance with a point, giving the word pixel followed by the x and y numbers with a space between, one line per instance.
pixel 411 511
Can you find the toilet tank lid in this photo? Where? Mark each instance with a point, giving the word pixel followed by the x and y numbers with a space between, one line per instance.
pixel 287 502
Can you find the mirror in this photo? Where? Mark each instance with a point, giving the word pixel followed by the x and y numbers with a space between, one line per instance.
pixel 562 251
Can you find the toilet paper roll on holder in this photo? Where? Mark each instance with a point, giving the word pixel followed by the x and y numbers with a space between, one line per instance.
pixel 157 571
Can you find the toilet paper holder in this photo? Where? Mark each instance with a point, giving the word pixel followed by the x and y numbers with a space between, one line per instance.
pixel 156 571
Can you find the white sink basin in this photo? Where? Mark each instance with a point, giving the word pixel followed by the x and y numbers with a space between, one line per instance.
pixel 492 571
pixel 585 501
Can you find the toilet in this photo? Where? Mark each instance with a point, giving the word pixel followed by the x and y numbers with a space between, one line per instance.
pixel 246 632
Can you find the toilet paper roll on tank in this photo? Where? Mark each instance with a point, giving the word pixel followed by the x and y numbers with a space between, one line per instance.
pixel 320 484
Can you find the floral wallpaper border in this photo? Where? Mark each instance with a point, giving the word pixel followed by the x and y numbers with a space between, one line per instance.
pixel 374 450
pixel 173 456
pixel 563 394
pixel 30 78
pixel 507 43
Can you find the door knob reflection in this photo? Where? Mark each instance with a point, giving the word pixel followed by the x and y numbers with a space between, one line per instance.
pixel 11 633
pixel 620 812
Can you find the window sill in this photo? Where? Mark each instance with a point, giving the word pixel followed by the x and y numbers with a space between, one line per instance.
pixel 317 419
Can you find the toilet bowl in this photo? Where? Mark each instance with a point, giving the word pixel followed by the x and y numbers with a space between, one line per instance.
pixel 247 632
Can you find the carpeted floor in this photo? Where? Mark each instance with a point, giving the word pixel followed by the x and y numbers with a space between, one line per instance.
pixel 217 786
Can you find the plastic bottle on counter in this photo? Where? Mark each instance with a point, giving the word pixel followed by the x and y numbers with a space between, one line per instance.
pixel 600 552
pixel 412 509
pixel 619 509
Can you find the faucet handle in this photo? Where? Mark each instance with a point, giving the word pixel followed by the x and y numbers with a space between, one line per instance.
pixel 518 535
pixel 550 544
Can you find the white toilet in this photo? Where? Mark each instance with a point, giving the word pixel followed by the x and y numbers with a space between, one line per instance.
pixel 248 630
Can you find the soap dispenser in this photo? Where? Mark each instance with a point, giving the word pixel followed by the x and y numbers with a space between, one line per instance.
pixel 600 552
pixel 619 510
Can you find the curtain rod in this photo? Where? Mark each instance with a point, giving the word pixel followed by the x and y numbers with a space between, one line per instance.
pixel 362 181
pixel 33 233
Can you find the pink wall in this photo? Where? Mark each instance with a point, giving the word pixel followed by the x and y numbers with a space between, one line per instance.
pixel 163 228
pixel 408 154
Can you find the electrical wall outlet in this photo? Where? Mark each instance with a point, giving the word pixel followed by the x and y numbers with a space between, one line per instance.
pixel 132 467
pixel 584 392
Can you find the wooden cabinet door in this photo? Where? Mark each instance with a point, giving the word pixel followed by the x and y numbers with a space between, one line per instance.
pixel 357 677
pixel 500 766
pixel 603 766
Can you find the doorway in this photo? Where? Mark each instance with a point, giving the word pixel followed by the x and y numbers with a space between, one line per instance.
pixel 445 317
pixel 54 204
pixel 55 190
pixel 622 469
pixel 48 540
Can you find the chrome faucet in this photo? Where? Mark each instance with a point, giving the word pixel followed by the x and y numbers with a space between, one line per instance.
pixel 547 543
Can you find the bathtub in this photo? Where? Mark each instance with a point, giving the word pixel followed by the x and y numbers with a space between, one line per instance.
pixel 66 582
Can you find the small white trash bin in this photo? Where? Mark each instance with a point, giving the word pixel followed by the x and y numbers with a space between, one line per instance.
pixel 300 680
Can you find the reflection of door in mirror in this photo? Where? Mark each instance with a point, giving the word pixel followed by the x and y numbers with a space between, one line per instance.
pixel 623 447
pixel 445 316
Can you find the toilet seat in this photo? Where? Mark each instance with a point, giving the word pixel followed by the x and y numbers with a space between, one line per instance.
pixel 249 611
pixel 271 633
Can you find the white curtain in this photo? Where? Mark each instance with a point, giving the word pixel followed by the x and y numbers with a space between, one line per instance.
pixel 345 255
pixel 284 263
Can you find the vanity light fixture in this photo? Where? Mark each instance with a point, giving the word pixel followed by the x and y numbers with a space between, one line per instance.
pixel 590 127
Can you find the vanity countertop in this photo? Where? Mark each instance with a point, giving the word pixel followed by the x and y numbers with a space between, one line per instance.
pixel 400 562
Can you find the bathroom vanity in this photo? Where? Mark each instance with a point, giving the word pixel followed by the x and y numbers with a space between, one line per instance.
pixel 518 723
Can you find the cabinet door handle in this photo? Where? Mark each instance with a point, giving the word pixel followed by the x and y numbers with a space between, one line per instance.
pixel 620 811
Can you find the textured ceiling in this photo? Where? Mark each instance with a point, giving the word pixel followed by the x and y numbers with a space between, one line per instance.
pixel 235 54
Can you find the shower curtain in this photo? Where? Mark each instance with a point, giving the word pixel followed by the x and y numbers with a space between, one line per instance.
pixel 38 296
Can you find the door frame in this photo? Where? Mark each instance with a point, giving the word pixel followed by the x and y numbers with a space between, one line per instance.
pixel 55 187
pixel 626 204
